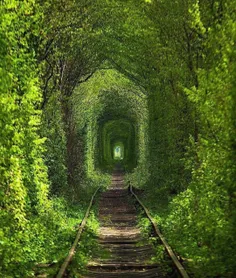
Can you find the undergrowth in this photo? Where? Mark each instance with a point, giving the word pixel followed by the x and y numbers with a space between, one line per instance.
pixel 86 248
pixel 160 256
pixel 57 235
pixel 60 231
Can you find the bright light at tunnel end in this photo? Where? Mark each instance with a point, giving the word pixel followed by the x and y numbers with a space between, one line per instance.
pixel 118 152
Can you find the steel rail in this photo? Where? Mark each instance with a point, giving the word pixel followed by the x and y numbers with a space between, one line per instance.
pixel 80 230
pixel 169 250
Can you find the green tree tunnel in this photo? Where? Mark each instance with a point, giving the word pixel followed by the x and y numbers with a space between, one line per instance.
pixel 79 78
pixel 117 111
pixel 111 133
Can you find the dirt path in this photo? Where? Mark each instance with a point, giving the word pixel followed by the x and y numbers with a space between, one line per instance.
pixel 128 253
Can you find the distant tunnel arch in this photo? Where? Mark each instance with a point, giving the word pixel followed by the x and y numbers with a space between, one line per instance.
pixel 117 133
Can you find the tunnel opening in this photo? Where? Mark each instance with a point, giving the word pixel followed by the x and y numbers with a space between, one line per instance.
pixel 111 109
pixel 118 143
pixel 118 151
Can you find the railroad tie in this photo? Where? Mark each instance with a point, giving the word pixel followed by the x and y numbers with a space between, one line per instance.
pixel 129 254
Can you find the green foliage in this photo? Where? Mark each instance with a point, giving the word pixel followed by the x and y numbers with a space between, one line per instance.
pixel 105 112
pixel 158 76
pixel 54 234
pixel 194 83
pixel 204 211
pixel 55 156
pixel 33 228
pixel 24 185
pixel 110 132
pixel 88 247
pixel 160 255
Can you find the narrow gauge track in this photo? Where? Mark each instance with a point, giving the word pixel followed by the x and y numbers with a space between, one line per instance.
pixel 129 252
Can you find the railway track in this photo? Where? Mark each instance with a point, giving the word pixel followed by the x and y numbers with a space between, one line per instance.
pixel 129 252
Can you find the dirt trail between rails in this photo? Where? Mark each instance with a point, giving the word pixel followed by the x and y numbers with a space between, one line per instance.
pixel 129 254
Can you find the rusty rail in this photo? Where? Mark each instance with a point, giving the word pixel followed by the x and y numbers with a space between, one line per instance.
pixel 80 230
pixel 169 250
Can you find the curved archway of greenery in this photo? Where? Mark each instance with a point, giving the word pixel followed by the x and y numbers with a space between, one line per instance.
pixel 110 108
pixel 111 132
pixel 174 83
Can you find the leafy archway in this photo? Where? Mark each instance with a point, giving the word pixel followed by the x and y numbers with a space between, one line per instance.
pixel 71 71
pixel 112 132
